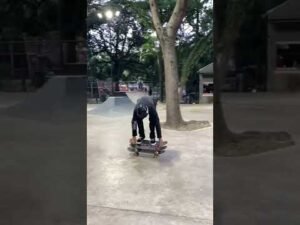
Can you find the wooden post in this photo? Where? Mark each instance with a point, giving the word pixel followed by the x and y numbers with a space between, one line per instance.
pixel 92 89
pixel 200 87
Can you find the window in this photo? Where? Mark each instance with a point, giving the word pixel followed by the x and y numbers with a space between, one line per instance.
pixel 288 55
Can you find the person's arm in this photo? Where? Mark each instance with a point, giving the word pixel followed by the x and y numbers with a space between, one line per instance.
pixel 155 100
pixel 134 124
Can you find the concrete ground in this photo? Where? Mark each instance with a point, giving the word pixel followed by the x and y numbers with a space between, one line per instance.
pixel 176 188
pixel 8 99
pixel 259 189
pixel 43 158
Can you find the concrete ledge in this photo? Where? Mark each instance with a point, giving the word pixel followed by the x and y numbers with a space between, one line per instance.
pixel 206 99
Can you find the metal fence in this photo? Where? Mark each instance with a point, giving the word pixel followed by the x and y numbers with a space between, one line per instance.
pixel 100 90
pixel 28 59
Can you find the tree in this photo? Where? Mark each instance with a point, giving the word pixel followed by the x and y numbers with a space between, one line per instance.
pixel 193 39
pixel 119 38
pixel 72 18
pixel 33 17
pixel 195 43
pixel 167 37
pixel 228 17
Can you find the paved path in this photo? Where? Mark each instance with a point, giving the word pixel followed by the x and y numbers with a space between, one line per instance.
pixel 174 189
pixel 42 160
pixel 261 189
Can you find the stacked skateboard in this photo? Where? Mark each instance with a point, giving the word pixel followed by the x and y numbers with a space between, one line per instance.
pixel 146 147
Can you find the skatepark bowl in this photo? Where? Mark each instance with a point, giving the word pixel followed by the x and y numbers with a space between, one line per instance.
pixel 123 189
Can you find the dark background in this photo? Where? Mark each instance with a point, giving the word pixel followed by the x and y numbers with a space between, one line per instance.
pixel 256 112
pixel 43 131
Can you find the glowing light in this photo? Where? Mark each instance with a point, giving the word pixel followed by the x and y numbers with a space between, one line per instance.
pixel 109 14
pixel 100 15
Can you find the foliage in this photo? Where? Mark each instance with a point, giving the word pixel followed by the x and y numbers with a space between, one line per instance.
pixel 98 66
pixel 200 54
pixel 195 46
pixel 29 16
pixel 194 38
pixel 251 42
pixel 119 38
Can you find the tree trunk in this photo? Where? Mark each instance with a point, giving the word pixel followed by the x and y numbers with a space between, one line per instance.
pixel 228 17
pixel 174 118
pixel 167 38
pixel 221 130
pixel 160 74
pixel 115 74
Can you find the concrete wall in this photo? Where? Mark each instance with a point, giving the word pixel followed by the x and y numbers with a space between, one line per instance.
pixel 286 80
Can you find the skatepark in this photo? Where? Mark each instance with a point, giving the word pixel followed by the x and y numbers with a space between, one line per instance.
pixel 263 188
pixel 175 188
pixel 42 142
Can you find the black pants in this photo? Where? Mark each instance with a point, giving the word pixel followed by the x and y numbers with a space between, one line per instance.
pixel 152 129
pixel 152 125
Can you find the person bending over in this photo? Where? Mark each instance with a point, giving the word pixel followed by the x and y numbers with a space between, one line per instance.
pixel 145 106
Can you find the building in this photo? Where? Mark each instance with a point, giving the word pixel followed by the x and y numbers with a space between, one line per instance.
pixel 206 83
pixel 283 56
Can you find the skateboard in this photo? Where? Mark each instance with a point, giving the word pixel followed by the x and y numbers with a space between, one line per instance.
pixel 146 147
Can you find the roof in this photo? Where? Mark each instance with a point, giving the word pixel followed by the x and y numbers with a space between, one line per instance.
pixel 288 10
pixel 208 69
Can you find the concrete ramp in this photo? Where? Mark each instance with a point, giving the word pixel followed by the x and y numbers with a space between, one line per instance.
pixel 114 107
pixel 135 95
pixel 60 99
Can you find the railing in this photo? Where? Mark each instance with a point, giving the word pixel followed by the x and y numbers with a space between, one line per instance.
pixel 22 60
pixel 31 56
pixel 100 90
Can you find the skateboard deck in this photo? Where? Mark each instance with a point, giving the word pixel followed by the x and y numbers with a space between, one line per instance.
pixel 147 147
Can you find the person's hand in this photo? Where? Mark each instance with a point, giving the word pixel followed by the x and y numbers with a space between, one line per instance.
pixel 132 141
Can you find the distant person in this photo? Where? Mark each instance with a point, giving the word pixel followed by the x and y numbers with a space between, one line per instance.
pixel 145 106
pixel 150 91
pixel 140 86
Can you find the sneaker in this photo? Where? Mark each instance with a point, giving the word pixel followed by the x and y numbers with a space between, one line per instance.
pixel 152 141
pixel 139 140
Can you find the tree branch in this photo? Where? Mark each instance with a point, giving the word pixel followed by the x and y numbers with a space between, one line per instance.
pixel 155 17
pixel 176 17
pixel 124 42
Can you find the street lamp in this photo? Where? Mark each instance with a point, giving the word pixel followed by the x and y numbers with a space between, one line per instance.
pixel 100 15
pixel 109 14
